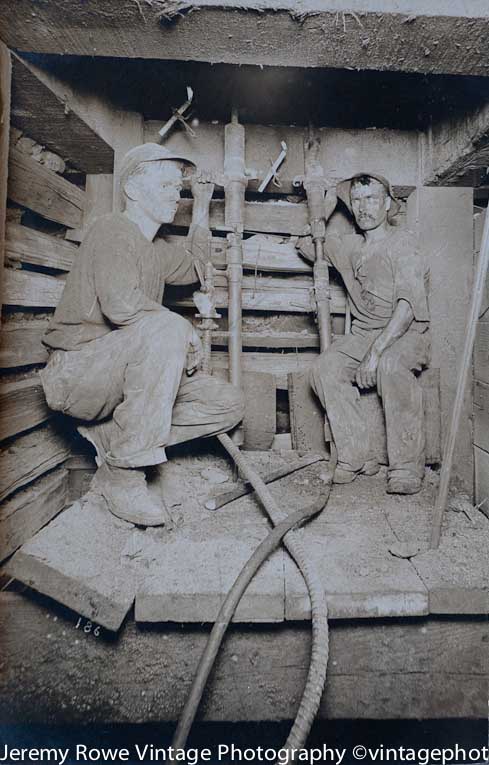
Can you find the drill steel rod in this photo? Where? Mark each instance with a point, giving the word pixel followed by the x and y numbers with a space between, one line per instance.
pixel 214 503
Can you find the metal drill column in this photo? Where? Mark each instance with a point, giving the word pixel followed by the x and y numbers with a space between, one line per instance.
pixel 235 186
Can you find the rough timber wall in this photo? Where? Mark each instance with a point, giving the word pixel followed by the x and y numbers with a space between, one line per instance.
pixel 42 206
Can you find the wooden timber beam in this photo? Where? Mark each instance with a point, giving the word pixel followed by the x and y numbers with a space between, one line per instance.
pixel 456 149
pixel 20 343
pixel 32 185
pixel 442 37
pixel 22 406
pixel 342 152
pixel 267 294
pixel 76 125
pixel 80 125
pixel 29 457
pixel 26 245
pixel 24 514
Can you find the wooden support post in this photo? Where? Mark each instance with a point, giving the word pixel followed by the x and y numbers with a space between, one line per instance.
pixel 99 200
pixel 442 218
pixel 128 132
pixel 5 78
pixel 463 377
pixel 99 197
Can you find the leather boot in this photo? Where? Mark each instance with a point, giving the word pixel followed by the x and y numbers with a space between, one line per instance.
pixel 127 495
pixel 407 485
pixel 343 475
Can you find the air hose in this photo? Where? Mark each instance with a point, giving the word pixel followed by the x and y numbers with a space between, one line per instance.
pixel 319 653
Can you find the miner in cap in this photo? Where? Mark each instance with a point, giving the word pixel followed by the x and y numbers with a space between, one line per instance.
pixel 120 362
pixel 389 342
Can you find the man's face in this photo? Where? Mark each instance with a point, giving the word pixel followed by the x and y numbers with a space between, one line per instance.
pixel 157 189
pixel 370 204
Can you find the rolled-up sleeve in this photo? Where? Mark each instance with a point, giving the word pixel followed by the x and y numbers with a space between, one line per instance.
pixel 411 279
pixel 117 281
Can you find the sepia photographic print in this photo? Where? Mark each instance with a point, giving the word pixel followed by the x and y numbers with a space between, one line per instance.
pixel 244 394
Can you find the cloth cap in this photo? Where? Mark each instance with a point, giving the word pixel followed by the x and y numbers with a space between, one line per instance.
pixel 149 152
pixel 343 190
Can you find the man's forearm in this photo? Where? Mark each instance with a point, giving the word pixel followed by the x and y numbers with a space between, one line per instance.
pixel 200 214
pixel 398 325
pixel 199 235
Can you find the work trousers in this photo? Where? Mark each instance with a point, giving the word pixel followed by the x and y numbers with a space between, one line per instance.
pixel 332 378
pixel 132 382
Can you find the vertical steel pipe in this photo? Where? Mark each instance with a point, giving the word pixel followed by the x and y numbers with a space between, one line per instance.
pixel 235 174
pixel 235 280
pixel 315 187
pixel 234 210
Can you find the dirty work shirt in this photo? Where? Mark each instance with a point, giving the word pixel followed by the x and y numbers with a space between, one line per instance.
pixel 119 357
pixel 118 277
pixel 379 274
pixel 376 277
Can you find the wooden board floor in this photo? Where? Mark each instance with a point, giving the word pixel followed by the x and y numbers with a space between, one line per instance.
pixel 99 566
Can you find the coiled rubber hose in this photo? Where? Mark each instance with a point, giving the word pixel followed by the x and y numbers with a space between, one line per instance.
pixel 320 640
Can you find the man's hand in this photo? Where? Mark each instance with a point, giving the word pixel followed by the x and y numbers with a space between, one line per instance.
pixel 195 353
pixel 366 376
pixel 204 303
pixel 304 243
pixel 202 186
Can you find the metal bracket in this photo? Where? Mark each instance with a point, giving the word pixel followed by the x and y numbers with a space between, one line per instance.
pixel 272 173
pixel 178 116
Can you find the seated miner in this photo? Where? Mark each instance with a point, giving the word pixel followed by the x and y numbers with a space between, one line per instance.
pixel 120 361
pixel 386 284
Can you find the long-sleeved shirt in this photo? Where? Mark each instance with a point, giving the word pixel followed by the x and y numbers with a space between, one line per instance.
pixel 118 276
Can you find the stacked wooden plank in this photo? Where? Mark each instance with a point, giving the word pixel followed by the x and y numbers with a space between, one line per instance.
pixel 33 446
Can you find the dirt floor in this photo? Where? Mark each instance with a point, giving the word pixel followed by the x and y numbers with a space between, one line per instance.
pixel 370 549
